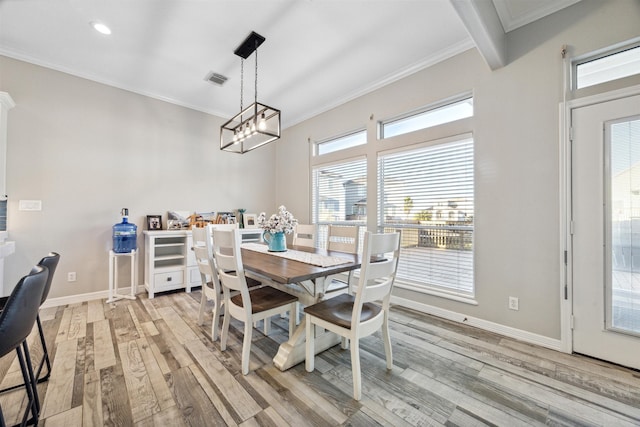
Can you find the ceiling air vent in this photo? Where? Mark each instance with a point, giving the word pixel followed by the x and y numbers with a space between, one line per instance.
pixel 215 78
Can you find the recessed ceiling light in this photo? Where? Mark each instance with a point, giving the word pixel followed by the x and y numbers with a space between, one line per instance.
pixel 100 27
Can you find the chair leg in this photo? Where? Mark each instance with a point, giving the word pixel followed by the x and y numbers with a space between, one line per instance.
pixel 246 347
pixel 310 345
pixel 355 367
pixel 30 386
pixel 45 358
pixel 267 326
pixel 225 329
pixel 45 361
pixel 203 304
pixel 386 338
pixel 215 321
pixel 344 343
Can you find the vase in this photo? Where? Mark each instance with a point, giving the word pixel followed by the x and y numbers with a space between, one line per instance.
pixel 276 241
pixel 241 217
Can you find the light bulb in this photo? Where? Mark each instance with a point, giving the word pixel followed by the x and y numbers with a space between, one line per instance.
pixel 263 123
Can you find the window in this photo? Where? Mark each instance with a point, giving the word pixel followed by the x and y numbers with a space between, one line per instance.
pixel 341 143
pixel 425 119
pixel 428 194
pixel 607 67
pixel 339 195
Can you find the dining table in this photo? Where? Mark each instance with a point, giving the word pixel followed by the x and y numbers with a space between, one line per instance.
pixel 306 273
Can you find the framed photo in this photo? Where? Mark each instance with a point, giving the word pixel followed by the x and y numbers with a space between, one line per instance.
pixel 250 220
pixel 154 222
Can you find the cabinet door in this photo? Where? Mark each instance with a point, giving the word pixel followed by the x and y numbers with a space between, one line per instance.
pixel 191 258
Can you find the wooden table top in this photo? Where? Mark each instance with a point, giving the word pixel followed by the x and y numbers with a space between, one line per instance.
pixel 285 271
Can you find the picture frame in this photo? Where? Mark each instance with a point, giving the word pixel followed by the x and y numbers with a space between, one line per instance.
pixel 154 222
pixel 250 220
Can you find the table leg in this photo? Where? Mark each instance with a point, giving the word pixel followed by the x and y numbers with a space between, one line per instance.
pixel 292 352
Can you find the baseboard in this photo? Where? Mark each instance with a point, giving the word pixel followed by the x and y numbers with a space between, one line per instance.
pixel 528 337
pixel 80 298
pixel 507 331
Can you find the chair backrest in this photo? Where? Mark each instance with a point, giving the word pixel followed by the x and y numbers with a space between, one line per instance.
pixel 205 264
pixel 51 262
pixel 199 236
pixel 379 265
pixel 305 235
pixel 343 238
pixel 21 309
pixel 228 259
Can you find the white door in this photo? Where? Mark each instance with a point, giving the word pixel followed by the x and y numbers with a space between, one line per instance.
pixel 606 230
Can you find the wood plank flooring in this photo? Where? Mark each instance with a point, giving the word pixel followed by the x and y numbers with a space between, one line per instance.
pixel 148 363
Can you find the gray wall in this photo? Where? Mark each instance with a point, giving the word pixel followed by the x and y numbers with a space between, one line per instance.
pixel 517 155
pixel 87 150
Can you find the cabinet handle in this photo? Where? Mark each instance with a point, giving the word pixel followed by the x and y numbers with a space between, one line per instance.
pixel 169 279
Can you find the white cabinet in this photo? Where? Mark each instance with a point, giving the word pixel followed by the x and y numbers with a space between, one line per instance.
pixel 6 103
pixel 166 261
pixel 169 262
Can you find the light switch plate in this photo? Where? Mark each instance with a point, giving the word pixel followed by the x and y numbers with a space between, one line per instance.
pixel 30 205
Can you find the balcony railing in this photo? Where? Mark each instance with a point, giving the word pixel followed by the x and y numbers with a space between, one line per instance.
pixel 459 237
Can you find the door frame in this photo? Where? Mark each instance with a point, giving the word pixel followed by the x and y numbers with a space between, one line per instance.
pixel 566 223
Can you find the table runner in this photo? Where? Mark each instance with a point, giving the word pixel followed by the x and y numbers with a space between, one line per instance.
pixel 301 256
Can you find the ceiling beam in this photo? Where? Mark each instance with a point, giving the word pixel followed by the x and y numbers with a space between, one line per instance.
pixel 483 24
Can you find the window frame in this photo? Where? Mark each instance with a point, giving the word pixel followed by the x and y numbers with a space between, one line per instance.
pixel 413 285
pixel 599 54
pixel 430 108
pixel 317 144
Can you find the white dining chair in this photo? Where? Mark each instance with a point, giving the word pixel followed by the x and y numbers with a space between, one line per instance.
pixel 211 289
pixel 199 238
pixel 342 238
pixel 202 246
pixel 248 306
pixel 354 317
pixel 305 235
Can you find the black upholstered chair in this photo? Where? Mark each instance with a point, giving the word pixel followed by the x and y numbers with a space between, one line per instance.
pixel 16 322
pixel 51 262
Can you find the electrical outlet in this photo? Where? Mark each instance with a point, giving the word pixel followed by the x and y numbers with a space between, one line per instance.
pixel 513 303
pixel 71 277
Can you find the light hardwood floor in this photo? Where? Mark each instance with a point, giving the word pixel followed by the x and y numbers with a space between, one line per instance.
pixel 147 363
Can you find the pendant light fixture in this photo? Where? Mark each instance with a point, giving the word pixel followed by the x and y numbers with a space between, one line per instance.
pixel 256 125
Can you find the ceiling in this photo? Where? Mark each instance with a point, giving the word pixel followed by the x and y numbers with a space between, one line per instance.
pixel 317 55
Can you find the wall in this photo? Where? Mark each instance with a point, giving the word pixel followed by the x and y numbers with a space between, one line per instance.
pixel 87 150
pixel 518 241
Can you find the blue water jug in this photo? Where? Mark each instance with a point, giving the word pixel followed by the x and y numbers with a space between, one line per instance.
pixel 124 235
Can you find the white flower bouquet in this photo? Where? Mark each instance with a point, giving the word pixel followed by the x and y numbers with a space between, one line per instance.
pixel 283 221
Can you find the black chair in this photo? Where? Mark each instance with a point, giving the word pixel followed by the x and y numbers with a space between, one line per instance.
pixel 51 262
pixel 16 322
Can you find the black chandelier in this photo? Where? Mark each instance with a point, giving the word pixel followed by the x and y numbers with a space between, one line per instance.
pixel 256 125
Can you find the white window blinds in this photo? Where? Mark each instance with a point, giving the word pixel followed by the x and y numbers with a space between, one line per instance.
pixel 339 194
pixel 427 193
